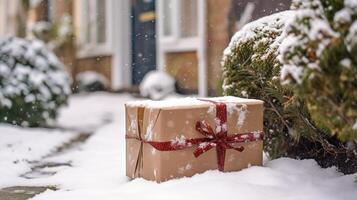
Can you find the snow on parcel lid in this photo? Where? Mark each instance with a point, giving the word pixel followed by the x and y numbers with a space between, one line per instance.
pixel 146 118
pixel 190 102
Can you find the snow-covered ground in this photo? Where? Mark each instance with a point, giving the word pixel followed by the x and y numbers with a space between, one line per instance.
pixel 19 146
pixel 97 169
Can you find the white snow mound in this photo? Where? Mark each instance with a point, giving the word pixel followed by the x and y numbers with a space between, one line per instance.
pixel 157 85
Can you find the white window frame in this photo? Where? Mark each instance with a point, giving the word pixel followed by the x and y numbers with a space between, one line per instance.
pixel 174 43
pixel 93 49
pixel 198 44
pixel 121 41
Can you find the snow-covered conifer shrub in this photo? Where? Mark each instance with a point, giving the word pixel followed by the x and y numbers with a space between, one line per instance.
pixel 299 68
pixel 33 83
pixel 319 57
pixel 251 69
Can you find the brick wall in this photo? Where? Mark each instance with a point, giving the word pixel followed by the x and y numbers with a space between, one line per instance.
pixel 217 41
pixel 100 65
pixel 184 67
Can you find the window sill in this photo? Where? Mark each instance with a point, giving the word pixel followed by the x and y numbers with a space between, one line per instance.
pixel 179 45
pixel 88 51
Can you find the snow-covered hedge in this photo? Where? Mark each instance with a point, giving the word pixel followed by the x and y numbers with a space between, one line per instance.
pixel 302 63
pixel 251 69
pixel 319 57
pixel 33 83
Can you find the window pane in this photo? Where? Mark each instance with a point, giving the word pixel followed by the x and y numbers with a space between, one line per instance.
pixel 167 18
pixel 188 21
pixel 101 19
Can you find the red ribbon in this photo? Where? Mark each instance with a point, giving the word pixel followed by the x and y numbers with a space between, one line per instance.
pixel 213 138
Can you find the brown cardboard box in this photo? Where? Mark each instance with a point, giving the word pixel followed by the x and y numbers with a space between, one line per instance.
pixel 175 121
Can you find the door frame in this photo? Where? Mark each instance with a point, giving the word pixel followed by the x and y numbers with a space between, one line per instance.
pixel 121 37
pixel 121 29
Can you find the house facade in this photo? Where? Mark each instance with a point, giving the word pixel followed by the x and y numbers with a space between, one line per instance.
pixel 124 39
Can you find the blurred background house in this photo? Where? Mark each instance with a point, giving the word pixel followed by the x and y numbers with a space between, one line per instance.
pixel 125 39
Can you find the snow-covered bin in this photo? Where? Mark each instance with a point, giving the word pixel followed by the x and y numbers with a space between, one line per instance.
pixel 90 81
pixel 33 83
pixel 182 137
pixel 157 85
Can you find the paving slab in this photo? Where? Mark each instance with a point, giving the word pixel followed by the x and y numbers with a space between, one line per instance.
pixel 22 192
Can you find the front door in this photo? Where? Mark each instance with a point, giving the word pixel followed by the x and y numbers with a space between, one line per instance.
pixel 143 39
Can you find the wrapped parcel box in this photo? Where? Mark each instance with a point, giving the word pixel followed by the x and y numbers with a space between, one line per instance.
pixel 182 137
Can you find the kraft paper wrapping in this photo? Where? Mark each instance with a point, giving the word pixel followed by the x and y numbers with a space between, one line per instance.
pixel 178 122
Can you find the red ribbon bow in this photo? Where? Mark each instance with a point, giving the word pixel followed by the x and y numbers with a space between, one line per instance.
pixel 217 138
pixel 220 140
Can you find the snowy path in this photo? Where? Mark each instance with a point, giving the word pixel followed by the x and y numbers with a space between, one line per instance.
pixel 97 169
pixel 19 146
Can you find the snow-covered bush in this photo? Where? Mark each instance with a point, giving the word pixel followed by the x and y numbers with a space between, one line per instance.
pixel 90 81
pixel 251 69
pixel 319 57
pixel 156 85
pixel 33 83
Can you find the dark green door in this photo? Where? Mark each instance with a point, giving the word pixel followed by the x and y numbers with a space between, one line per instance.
pixel 143 39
